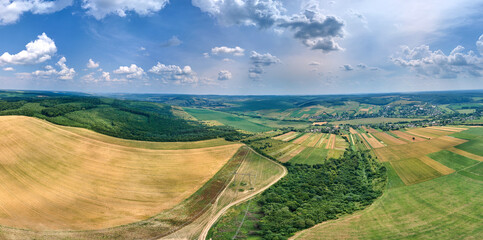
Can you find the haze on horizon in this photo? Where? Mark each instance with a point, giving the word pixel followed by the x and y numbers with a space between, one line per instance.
pixel 241 47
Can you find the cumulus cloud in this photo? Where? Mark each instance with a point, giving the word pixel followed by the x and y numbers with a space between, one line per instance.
pixel 315 30
pixel 236 51
pixel 347 67
pixel 131 72
pixel 11 10
pixel 37 51
pixel 311 27
pixel 261 13
pixel 106 76
pixel 361 66
pixel 314 63
pixel 259 62
pixel 479 44
pixel 65 73
pixel 224 75
pixel 437 64
pixel 8 69
pixel 101 77
pixel 92 64
pixel 175 73
pixel 101 8
pixel 172 42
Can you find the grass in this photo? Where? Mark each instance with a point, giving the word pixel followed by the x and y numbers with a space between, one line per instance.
pixel 227 119
pixel 375 120
pixel 394 180
pixel 413 171
pixel 310 156
pixel 225 228
pixel 447 207
pixel 474 146
pixel 81 180
pixel 452 160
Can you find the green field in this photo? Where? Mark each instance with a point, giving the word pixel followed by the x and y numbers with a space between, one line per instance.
pixel 452 160
pixel 376 120
pixel 413 171
pixel 474 146
pixel 448 207
pixel 310 156
pixel 227 119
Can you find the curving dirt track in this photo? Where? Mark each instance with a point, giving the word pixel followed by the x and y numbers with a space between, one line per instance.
pixel 212 221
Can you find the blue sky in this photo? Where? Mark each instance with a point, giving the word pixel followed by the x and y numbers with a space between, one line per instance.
pixel 241 46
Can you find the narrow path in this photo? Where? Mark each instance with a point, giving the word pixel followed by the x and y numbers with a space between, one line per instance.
pixel 208 226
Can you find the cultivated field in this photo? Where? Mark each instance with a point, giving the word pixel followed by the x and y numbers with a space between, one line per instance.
pixel 254 174
pixel 375 120
pixel 433 192
pixel 371 140
pixel 227 119
pixel 388 139
pixel 61 178
pixel 307 148
pixel 447 207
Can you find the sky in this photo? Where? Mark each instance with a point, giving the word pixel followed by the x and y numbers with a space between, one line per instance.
pixel 240 47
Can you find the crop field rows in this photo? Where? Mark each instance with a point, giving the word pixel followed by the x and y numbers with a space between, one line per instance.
pixel 388 139
pixel 408 137
pixel 433 192
pixel 372 141
pixel 410 160
pixel 286 136
pixel 308 148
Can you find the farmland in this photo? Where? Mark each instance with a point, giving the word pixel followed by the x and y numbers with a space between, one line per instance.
pixel 304 148
pixel 97 183
pixel 375 120
pixel 443 208
pixel 434 192
pixel 227 119
pixel 109 187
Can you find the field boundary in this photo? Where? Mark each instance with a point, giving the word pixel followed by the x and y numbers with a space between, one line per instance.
pixel 208 226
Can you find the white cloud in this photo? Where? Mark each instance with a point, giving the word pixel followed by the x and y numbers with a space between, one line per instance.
pixel 98 77
pixel 262 13
pixel 172 42
pixel 65 73
pixel 479 44
pixel 131 72
pixel 8 69
pixel 175 73
pixel 224 75
pixel 101 8
pixel 314 63
pixel 92 64
pixel 106 76
pixel 259 62
pixel 315 30
pixel 236 51
pixel 37 51
pixel 436 64
pixel 11 10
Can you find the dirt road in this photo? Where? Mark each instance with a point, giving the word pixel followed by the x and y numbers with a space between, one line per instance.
pixel 204 233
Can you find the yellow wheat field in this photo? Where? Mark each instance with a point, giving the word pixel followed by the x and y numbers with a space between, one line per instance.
pixel 61 178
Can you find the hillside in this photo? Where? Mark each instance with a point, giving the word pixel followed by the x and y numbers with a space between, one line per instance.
pixel 97 183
